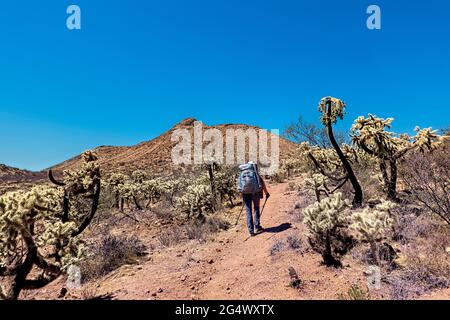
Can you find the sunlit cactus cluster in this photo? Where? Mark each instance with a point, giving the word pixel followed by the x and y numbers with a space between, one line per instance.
pixel 370 134
pixel 337 110
pixel 40 229
pixel 327 214
pixel 318 184
pixel 327 221
pixel 197 198
pixel 206 192
pixel 141 190
pixel 292 166
pixel 373 224
pixel 190 194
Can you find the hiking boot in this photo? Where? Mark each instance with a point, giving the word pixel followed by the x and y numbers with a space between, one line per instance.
pixel 252 234
pixel 259 229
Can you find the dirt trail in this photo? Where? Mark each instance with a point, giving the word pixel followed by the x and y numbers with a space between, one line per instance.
pixel 235 266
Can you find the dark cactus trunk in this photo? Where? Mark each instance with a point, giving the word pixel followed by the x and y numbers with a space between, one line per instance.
pixel 213 184
pixel 327 255
pixel 122 202
pixel 390 180
pixel 375 252
pixel 392 188
pixel 136 202
pixel 357 199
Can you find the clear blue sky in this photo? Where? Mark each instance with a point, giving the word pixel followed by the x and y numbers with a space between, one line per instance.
pixel 139 66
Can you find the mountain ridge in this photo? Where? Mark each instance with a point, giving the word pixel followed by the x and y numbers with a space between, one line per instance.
pixel 155 154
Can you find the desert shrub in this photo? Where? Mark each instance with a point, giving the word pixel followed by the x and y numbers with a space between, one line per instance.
pixel 200 230
pixel 410 224
pixel 109 253
pixel 294 242
pixel 278 177
pixel 426 177
pixel 355 293
pixel 402 288
pixel 195 231
pixel 162 212
pixel 277 247
pixel 215 224
pixel 89 293
pixel 292 186
pixel 328 222
pixel 170 237
pixel 426 266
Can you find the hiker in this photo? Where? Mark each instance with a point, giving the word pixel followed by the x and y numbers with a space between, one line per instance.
pixel 252 187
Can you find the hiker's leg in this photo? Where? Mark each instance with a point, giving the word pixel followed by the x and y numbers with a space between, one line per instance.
pixel 247 198
pixel 256 201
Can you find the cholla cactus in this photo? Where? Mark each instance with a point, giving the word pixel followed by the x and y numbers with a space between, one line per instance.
pixel 142 188
pixel 119 184
pixel 170 187
pixel 327 214
pixel 373 224
pixel 333 109
pixel 370 135
pixel 292 165
pixel 318 184
pixel 196 199
pixel 40 229
pixel 226 185
pixel 138 176
pixel 324 219
pixel 153 189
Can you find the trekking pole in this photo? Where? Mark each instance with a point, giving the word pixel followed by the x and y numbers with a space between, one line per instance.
pixel 239 216
pixel 264 205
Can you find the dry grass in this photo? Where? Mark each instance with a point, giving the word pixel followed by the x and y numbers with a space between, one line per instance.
pixel 170 236
pixel 109 253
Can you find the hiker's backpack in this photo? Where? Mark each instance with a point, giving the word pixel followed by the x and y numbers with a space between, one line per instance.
pixel 249 182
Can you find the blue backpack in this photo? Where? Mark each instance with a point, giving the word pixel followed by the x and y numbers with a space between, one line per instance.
pixel 249 182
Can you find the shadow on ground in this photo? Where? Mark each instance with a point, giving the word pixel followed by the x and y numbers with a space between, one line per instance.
pixel 280 228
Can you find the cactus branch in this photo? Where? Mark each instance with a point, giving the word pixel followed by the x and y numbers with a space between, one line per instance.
pixel 323 172
pixel 357 200
pixel 53 180
pixel 94 207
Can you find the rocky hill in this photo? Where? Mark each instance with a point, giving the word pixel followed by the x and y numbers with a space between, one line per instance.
pixel 11 178
pixel 155 154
